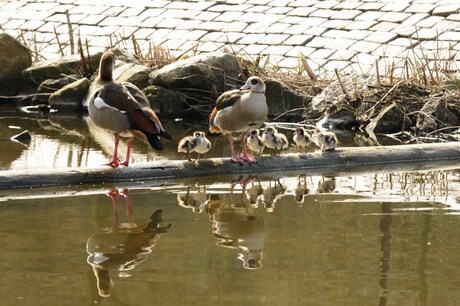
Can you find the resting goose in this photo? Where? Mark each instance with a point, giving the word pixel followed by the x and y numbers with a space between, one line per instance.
pixel 239 111
pixel 123 109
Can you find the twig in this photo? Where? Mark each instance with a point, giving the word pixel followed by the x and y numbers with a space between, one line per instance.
pixel 69 25
pixel 307 68
pixel 347 97
pixel 58 41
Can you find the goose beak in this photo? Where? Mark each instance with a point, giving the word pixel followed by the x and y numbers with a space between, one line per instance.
pixel 246 86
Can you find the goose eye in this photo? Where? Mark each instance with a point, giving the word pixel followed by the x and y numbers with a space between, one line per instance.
pixel 254 81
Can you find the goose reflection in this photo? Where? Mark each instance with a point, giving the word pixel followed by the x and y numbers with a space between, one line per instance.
pixel 196 200
pixel 123 246
pixel 236 225
pixel 301 190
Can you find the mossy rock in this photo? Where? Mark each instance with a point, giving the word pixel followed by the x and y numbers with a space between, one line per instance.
pixel 165 102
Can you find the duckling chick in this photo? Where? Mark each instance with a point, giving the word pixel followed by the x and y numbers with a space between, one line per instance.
pixel 301 139
pixel 255 142
pixel 325 140
pixel 197 143
pixel 275 140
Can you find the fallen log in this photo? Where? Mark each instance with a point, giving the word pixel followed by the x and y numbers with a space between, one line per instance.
pixel 342 161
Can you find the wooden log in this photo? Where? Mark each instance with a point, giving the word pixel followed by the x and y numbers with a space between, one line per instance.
pixel 342 161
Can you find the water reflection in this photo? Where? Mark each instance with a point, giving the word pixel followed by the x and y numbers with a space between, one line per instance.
pixel 123 246
pixel 196 199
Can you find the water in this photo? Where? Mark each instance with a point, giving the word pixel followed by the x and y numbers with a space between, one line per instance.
pixel 380 239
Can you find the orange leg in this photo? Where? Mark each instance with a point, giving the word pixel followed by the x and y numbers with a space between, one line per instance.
pixel 128 152
pixel 244 153
pixel 235 158
pixel 115 161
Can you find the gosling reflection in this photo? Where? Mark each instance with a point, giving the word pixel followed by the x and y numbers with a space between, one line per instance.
pixel 301 190
pixel 326 185
pixel 123 246
pixel 271 194
pixel 236 225
pixel 195 200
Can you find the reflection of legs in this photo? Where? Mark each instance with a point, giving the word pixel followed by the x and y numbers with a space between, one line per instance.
pixel 113 194
pixel 129 211
pixel 243 184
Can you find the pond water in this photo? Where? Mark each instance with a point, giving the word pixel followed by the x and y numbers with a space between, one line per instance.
pixel 371 239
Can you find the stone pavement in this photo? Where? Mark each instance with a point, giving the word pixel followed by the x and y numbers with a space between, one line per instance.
pixel 343 34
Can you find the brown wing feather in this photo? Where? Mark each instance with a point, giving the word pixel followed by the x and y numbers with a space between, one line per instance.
pixel 229 98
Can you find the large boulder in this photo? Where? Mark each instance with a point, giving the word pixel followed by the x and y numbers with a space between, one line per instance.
pixel 69 98
pixel 435 115
pixel 281 101
pixel 57 68
pixel 390 119
pixel 340 118
pixel 15 58
pixel 202 78
pixel 134 73
pixel 50 86
pixel 166 102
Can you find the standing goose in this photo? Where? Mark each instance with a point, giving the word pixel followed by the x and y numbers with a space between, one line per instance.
pixel 239 111
pixel 123 109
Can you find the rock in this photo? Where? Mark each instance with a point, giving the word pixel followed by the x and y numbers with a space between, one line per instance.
pixel 389 120
pixel 341 118
pixel 131 72
pixel 434 115
pixel 202 78
pixel 15 58
pixel 333 93
pixel 57 68
pixel 281 99
pixel 165 102
pixel 69 98
pixel 52 85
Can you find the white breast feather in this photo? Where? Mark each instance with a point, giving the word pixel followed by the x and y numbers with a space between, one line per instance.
pixel 99 103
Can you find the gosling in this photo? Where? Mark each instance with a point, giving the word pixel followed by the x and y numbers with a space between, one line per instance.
pixel 326 141
pixel 255 142
pixel 197 143
pixel 275 140
pixel 302 139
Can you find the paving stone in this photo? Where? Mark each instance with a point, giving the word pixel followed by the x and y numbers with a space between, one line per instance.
pixel 92 19
pixel 298 40
pixel 273 39
pixel 340 43
pixel 359 34
pixel 301 11
pixel 425 33
pixel 279 10
pixel 346 14
pixel 420 8
pixel 319 42
pixel 113 11
pixel 360 25
pixel 224 8
pixel 210 26
pixel 451 36
pixel 326 4
pixel 414 19
pixel 381 37
pixel 389 51
pixel 454 17
pixel 336 24
pixel 336 64
pixel 295 51
pixel 228 16
pixel 209 46
pixel 289 62
pixel 344 55
pixel 257 27
pixel 188 24
pixel 384 26
pixel 399 6
pixel 348 5
pixel 370 6
pixel 370 16
pixel 403 42
pixel 324 13
pixel 394 17
pixel 365 59
pixel 403 30
pixel 84 9
pixel 315 31
pixel 199 6
pixel 259 17
pixel 251 39
pixel 178 5
pixel 313 21
pixel 292 19
pixel 254 49
pixel 277 28
pixel 322 54
pixel 429 22
pixel 258 9
pixel 297 3
pixel 207 16
pixel 446 10
pixel 447 25
pixel 152 12
pixel 364 46
pixel 277 50
pixel 235 26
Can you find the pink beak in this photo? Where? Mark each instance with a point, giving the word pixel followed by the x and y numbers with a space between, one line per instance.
pixel 246 86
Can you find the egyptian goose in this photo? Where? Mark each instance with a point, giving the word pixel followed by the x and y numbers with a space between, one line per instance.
pixel 325 140
pixel 255 142
pixel 275 140
pixel 301 139
pixel 123 109
pixel 239 111
pixel 197 143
